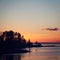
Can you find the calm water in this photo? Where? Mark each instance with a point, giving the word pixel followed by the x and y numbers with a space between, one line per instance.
pixel 43 53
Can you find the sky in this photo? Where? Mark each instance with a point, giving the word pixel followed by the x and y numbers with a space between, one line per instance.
pixel 35 19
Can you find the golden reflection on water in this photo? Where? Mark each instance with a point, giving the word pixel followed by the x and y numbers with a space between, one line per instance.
pixel 42 58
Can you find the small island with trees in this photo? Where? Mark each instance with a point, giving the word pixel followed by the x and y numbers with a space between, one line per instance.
pixel 14 42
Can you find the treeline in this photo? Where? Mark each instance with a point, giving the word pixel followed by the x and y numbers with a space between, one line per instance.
pixel 10 40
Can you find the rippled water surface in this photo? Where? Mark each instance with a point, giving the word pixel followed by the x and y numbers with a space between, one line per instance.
pixel 41 53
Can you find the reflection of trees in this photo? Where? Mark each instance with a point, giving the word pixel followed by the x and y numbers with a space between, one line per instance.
pixel 17 57
pixel 10 57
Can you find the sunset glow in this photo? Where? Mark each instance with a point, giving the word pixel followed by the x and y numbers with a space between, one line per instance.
pixel 31 18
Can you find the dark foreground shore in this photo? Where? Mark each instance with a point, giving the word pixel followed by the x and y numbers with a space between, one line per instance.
pixel 13 51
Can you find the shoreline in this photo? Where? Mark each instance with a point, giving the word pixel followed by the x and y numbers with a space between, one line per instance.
pixel 14 51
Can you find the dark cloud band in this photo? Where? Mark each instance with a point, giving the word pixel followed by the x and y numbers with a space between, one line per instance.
pixel 52 29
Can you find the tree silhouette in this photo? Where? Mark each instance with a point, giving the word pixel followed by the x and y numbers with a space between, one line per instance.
pixel 29 43
pixel 13 41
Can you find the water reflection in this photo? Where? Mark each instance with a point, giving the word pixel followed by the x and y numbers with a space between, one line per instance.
pixel 43 53
pixel 10 57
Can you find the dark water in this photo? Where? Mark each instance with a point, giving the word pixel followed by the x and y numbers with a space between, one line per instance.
pixel 43 53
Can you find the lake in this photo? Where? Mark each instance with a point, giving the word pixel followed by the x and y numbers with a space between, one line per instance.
pixel 39 53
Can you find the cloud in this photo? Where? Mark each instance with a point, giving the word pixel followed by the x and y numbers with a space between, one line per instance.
pixel 51 29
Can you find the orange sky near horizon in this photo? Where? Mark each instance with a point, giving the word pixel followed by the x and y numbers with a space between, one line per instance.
pixel 47 37
pixel 40 36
